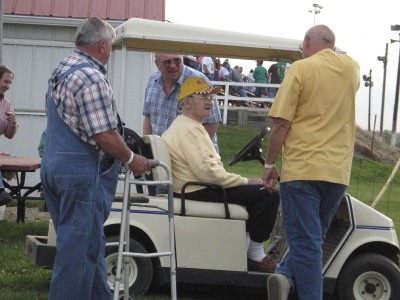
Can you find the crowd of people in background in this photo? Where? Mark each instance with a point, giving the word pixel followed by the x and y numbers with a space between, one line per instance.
pixel 214 70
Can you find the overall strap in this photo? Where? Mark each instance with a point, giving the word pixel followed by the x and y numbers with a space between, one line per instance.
pixel 65 74
pixel 53 118
pixel 71 70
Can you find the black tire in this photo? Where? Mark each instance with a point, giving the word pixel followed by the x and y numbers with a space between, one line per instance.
pixel 141 268
pixel 369 276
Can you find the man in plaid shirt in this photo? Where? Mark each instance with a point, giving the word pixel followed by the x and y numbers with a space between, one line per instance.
pixel 161 105
pixel 81 162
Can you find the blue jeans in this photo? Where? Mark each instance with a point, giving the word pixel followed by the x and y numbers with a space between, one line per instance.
pixel 272 92
pixel 79 194
pixel 242 93
pixel 1 181
pixel 308 209
pixel 260 91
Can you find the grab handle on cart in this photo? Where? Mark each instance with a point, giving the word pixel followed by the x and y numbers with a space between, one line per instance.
pixel 154 163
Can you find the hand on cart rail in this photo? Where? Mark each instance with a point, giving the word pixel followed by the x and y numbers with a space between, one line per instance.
pixel 154 163
pixel 140 165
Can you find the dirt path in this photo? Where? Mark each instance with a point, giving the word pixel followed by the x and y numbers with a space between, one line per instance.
pixel 31 214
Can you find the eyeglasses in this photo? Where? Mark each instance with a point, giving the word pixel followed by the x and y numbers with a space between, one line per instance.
pixel 204 98
pixel 301 47
pixel 177 61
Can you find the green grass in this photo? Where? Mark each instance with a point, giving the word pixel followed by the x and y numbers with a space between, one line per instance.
pixel 21 279
pixel 367 180
pixel 231 140
pixel 367 176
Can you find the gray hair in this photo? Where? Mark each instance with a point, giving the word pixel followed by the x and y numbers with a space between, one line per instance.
pixel 322 32
pixel 93 30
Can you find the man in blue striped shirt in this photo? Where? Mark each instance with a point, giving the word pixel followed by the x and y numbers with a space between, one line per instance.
pixel 161 105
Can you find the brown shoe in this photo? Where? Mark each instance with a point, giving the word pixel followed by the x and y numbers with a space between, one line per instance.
pixel 267 265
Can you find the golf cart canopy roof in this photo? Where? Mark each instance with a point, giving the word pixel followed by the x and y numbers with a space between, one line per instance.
pixel 156 36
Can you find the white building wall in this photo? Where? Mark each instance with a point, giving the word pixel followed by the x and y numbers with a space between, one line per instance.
pixel 139 67
pixel 32 51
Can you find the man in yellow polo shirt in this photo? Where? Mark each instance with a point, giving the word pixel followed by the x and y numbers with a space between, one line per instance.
pixel 314 124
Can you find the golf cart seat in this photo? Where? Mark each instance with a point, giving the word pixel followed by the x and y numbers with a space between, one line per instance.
pixel 185 207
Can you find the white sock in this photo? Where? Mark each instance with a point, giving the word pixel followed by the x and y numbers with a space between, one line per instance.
pixel 256 251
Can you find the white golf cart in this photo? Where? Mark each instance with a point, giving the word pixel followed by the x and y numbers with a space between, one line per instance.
pixel 360 251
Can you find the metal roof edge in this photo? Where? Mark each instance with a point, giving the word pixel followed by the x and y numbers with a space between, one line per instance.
pixel 157 36
pixel 52 21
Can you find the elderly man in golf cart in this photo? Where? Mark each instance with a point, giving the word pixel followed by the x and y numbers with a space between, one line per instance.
pixel 194 158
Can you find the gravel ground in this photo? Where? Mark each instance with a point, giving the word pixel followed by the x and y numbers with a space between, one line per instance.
pixel 31 214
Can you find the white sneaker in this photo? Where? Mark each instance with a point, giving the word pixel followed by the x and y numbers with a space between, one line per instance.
pixel 278 287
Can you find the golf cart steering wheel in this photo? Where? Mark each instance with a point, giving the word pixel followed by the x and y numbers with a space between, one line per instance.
pixel 138 146
pixel 252 151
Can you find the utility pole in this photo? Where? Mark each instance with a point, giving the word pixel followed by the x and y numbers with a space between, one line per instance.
pixel 368 83
pixel 396 99
pixel 316 10
pixel 383 59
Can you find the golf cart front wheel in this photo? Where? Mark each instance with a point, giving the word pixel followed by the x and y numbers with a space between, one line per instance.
pixel 369 277
pixel 140 268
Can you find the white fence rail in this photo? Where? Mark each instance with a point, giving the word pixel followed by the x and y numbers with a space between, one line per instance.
pixel 226 97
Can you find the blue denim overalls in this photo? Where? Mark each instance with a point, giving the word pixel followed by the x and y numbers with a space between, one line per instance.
pixel 79 189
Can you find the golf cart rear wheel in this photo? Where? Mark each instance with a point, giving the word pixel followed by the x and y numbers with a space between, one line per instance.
pixel 369 277
pixel 140 268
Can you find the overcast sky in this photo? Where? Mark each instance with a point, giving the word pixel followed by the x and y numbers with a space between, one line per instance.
pixel 362 29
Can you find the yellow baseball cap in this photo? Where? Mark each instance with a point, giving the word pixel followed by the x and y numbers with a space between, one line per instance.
pixel 197 85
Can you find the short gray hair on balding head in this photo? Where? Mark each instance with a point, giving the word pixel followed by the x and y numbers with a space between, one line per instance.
pixel 93 30
pixel 322 32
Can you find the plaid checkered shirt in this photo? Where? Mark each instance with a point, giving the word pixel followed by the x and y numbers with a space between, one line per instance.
pixel 163 109
pixel 85 98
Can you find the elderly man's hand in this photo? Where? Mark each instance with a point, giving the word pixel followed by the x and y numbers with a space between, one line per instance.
pixel 139 165
pixel 270 179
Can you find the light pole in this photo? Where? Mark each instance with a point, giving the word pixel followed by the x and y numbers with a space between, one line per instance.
pixel 368 83
pixel 384 60
pixel 316 10
pixel 396 99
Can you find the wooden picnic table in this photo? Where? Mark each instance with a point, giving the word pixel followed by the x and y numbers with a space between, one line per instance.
pixel 20 165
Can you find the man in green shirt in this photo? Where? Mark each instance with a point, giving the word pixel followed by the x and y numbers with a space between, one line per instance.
pixel 260 75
